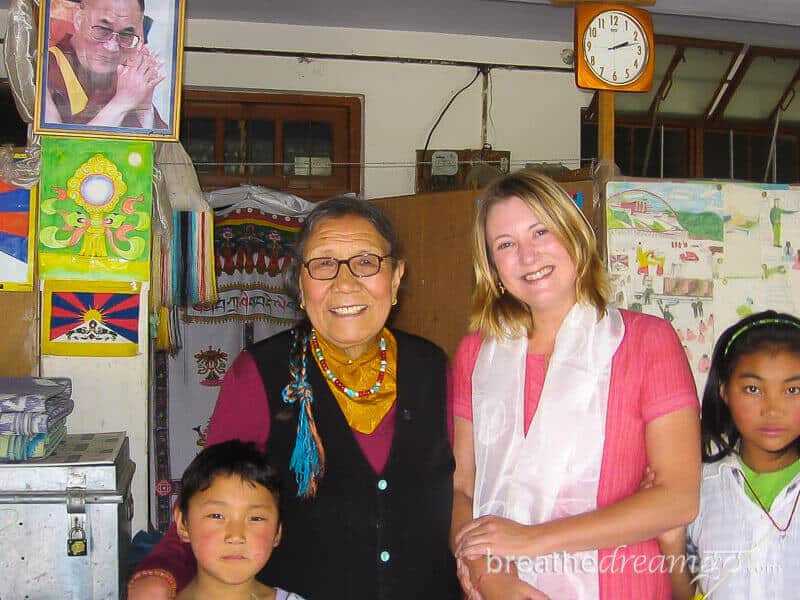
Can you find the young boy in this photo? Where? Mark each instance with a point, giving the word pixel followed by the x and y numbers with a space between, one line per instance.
pixel 229 512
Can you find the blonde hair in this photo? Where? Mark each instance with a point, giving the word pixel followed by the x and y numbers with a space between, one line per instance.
pixel 501 315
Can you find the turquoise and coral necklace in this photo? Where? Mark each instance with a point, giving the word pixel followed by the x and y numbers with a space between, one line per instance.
pixel 338 382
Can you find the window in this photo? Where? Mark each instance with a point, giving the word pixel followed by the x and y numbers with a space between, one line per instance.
pixel 630 149
pixel 303 144
pixel 691 150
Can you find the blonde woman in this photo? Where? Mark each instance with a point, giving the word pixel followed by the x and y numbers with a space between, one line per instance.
pixel 561 402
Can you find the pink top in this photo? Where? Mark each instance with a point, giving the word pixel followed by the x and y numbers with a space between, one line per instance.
pixel 242 412
pixel 650 377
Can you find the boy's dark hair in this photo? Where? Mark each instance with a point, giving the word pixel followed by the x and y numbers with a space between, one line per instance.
pixel 767 331
pixel 233 457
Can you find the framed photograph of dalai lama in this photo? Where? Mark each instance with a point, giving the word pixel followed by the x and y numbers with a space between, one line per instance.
pixel 110 68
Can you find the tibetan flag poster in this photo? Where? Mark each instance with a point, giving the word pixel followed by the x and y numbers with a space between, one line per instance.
pixel 95 204
pixel 16 232
pixel 81 318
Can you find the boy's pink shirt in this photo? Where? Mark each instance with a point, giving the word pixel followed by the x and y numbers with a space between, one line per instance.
pixel 650 377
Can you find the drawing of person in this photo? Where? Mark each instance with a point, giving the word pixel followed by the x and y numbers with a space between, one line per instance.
pixel 775 214
pixel 643 259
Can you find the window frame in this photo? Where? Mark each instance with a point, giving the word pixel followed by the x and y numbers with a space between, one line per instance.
pixel 695 132
pixel 343 112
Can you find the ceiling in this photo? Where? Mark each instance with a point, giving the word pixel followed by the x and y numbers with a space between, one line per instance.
pixel 765 22
pixel 763 82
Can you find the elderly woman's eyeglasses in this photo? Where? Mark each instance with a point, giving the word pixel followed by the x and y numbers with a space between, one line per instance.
pixel 360 265
pixel 125 39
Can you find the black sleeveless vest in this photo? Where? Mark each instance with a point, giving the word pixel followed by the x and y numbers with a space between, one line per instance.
pixel 366 536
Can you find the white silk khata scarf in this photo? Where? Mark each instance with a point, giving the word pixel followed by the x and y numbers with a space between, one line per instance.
pixel 554 470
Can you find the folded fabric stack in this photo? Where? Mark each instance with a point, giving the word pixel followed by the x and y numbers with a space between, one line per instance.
pixel 33 413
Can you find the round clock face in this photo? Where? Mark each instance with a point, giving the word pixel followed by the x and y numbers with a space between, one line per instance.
pixel 615 47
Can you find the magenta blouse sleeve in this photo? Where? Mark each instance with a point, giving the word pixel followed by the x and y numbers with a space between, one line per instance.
pixel 242 410
pixel 668 384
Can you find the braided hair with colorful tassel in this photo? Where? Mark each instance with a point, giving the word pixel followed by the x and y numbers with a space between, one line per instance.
pixel 308 457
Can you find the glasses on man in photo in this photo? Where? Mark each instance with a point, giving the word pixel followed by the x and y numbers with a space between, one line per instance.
pixel 125 39
pixel 360 265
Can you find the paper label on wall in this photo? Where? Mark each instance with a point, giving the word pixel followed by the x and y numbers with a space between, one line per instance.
pixel 444 162
pixel 302 165
pixel 321 166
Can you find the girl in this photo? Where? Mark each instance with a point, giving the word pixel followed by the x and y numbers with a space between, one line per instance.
pixel 745 539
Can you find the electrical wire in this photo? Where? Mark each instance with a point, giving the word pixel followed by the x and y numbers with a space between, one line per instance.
pixel 381 164
pixel 491 105
pixel 428 141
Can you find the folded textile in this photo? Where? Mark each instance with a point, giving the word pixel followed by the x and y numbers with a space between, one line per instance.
pixel 20 394
pixel 23 447
pixel 31 422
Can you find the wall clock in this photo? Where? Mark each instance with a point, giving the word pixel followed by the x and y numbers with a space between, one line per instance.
pixel 614 48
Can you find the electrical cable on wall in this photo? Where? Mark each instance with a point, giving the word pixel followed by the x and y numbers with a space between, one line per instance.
pixel 447 106
pixel 491 104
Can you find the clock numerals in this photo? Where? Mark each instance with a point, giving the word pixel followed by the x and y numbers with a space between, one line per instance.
pixel 614 49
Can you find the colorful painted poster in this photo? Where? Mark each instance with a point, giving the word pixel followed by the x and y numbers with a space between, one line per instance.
pixel 92 318
pixel 702 255
pixel 94 209
pixel 17 220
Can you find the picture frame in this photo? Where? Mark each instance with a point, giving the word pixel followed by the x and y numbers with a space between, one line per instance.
pixel 110 75
pixel 93 318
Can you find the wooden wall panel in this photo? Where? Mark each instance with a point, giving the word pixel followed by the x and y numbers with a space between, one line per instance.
pixel 19 349
pixel 434 231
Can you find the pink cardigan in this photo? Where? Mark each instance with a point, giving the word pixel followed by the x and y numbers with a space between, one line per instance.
pixel 650 377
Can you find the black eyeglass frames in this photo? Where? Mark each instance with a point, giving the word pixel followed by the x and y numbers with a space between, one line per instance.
pixel 361 265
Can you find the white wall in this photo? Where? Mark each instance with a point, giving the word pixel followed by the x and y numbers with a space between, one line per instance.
pixel 535 115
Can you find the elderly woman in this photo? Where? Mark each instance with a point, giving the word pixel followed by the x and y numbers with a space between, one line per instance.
pixel 354 415
pixel 561 402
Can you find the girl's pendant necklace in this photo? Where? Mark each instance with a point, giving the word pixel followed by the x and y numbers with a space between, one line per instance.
pixel 781 530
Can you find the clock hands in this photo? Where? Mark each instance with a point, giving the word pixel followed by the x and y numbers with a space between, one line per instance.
pixel 621 45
